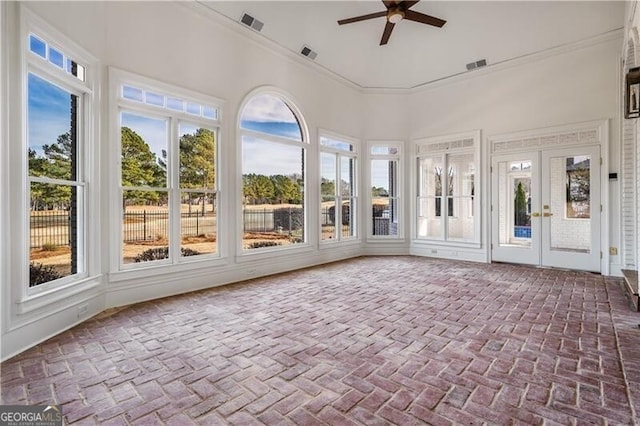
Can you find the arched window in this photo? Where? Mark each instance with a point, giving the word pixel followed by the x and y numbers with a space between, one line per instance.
pixel 273 173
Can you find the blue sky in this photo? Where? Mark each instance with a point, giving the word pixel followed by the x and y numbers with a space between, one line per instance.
pixel 49 116
pixel 152 130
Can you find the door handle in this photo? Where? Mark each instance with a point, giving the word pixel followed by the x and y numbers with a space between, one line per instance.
pixel 545 214
pixel 535 214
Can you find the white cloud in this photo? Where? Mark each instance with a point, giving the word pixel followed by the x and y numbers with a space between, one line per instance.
pixel 268 108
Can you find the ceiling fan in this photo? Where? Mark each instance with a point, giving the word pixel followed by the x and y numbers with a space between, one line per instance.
pixel 396 12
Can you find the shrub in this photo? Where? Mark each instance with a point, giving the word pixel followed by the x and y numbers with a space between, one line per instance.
pixel 49 247
pixel 159 253
pixel 261 244
pixel 40 274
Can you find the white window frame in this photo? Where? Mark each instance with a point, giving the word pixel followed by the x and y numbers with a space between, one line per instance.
pixel 119 104
pixel 398 157
pixel 245 255
pixel 339 154
pixel 445 146
pixel 30 298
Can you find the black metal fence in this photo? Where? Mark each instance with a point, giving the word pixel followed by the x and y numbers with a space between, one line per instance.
pixel 269 220
pixel 52 228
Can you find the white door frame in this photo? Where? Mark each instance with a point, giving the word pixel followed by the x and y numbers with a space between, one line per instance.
pixel 576 134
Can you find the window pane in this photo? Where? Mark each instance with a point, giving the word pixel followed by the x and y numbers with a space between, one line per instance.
pixel 193 108
pixel 348 218
pixel 430 206
pixel 569 204
pixel 175 104
pixel 198 224
pixel 37 46
pixel 336 144
pixel 384 150
pixel 208 112
pixel 52 118
pixel 430 218
pixel 273 182
pixel 328 218
pixel 347 181
pixel 384 180
pixel 154 99
pixel 132 93
pixel 578 187
pixel 328 174
pixel 145 226
pixel 55 216
pixel 269 114
pixel 144 151
pixel 197 157
pixel 56 58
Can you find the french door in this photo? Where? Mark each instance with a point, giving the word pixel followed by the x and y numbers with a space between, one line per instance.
pixel 545 208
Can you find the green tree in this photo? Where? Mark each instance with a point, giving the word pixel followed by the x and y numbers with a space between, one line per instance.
pixel 140 167
pixel 258 189
pixel 55 163
pixel 520 206
pixel 327 187
pixel 197 160
pixel 378 191
pixel 285 189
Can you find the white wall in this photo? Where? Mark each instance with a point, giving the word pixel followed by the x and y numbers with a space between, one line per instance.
pixel 557 88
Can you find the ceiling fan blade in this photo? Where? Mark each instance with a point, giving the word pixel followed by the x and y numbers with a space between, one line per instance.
pixel 424 19
pixel 387 33
pixel 362 18
pixel 389 3
pixel 407 4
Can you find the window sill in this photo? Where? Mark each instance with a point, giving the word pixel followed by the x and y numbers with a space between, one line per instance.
pixel 163 268
pixel 56 294
pixel 431 242
pixel 269 253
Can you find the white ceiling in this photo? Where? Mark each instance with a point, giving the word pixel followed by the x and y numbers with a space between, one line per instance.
pixel 416 54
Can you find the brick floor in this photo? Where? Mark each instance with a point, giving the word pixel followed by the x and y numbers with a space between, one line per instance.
pixel 378 340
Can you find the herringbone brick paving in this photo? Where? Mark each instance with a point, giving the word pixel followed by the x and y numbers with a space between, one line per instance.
pixel 374 341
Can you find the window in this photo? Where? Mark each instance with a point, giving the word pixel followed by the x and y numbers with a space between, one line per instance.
pixel 385 190
pixel 447 199
pixel 273 173
pixel 338 189
pixel 57 131
pixel 168 174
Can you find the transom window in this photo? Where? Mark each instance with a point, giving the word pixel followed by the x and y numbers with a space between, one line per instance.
pixel 338 189
pixel 273 173
pixel 168 177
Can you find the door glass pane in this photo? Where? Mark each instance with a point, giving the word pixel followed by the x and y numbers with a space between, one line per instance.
pixel 514 203
pixel 570 204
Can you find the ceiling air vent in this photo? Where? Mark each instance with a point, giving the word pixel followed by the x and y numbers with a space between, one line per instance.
pixel 477 64
pixel 251 22
pixel 306 51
